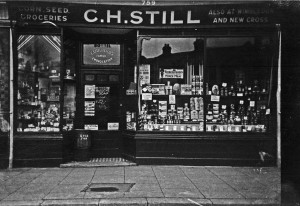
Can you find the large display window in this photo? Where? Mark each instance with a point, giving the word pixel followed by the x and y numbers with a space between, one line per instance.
pixel 238 84
pixel 39 83
pixel 204 84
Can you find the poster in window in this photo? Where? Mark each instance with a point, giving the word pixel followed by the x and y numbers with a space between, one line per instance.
pixel 91 127
pixel 89 91
pixel 89 108
pixel 100 91
pixel 144 74
pixel 171 73
pixel 102 103
pixel 53 94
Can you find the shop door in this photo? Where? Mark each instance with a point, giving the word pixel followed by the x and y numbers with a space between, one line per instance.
pixel 101 112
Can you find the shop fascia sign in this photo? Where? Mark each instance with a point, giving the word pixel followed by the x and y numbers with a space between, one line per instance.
pixel 138 17
pixel 148 16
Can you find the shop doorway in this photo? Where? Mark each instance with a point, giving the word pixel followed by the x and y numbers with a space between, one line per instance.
pixel 100 95
pixel 100 111
pixel 98 61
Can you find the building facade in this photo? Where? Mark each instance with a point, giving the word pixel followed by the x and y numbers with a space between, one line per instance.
pixel 189 83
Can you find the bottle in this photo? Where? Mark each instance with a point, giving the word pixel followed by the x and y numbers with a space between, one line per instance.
pixel 186 112
pixel 256 90
pixel 242 86
pixel 225 91
pixel 246 91
pixel 207 89
pixel 222 91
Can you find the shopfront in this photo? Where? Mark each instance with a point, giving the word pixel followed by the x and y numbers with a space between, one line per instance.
pixel 154 84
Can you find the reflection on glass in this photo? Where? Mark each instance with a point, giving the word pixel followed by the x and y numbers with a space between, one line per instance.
pixel 38 93
pixel 4 71
pixel 238 80
pixel 173 67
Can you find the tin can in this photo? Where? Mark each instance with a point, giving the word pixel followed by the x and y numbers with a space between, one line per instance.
pixel 128 116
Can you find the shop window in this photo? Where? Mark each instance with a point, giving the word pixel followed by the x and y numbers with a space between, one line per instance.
pixel 69 83
pixel 4 71
pixel 203 85
pixel 170 85
pixel 39 85
pixel 4 80
pixel 239 73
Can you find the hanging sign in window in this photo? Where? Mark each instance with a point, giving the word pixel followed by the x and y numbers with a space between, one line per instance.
pixel 171 73
pixel 101 54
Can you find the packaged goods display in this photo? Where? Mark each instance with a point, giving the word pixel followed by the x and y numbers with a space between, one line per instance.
pixel 39 86
pixel 178 107
pixel 242 108
pixel 38 106
pixel 239 108
pixel 210 85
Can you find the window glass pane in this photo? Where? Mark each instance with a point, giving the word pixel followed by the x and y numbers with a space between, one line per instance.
pixel 4 71
pixel 171 84
pixel 238 84
pixel 38 95
pixel 4 82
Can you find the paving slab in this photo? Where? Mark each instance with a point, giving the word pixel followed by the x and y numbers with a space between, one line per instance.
pixel 104 171
pixel 123 202
pixel 66 192
pixel 25 197
pixel 145 187
pixel 108 179
pixel 177 202
pixel 21 203
pixel 141 179
pixel 77 202
pixel 182 192
pixel 76 180
pixel 245 202
pixel 144 194
pixel 4 175
pixel 104 195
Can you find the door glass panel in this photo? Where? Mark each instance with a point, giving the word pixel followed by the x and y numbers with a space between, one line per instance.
pixel 101 106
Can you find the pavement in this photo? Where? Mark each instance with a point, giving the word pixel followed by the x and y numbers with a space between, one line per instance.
pixel 152 186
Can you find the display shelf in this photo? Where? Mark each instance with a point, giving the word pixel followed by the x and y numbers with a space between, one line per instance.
pixel 215 127
pixel 177 95
pixel 29 105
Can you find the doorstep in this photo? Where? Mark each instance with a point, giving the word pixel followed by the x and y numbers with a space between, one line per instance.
pixel 99 162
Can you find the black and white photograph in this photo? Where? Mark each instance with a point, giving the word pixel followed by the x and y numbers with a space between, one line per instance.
pixel 149 102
